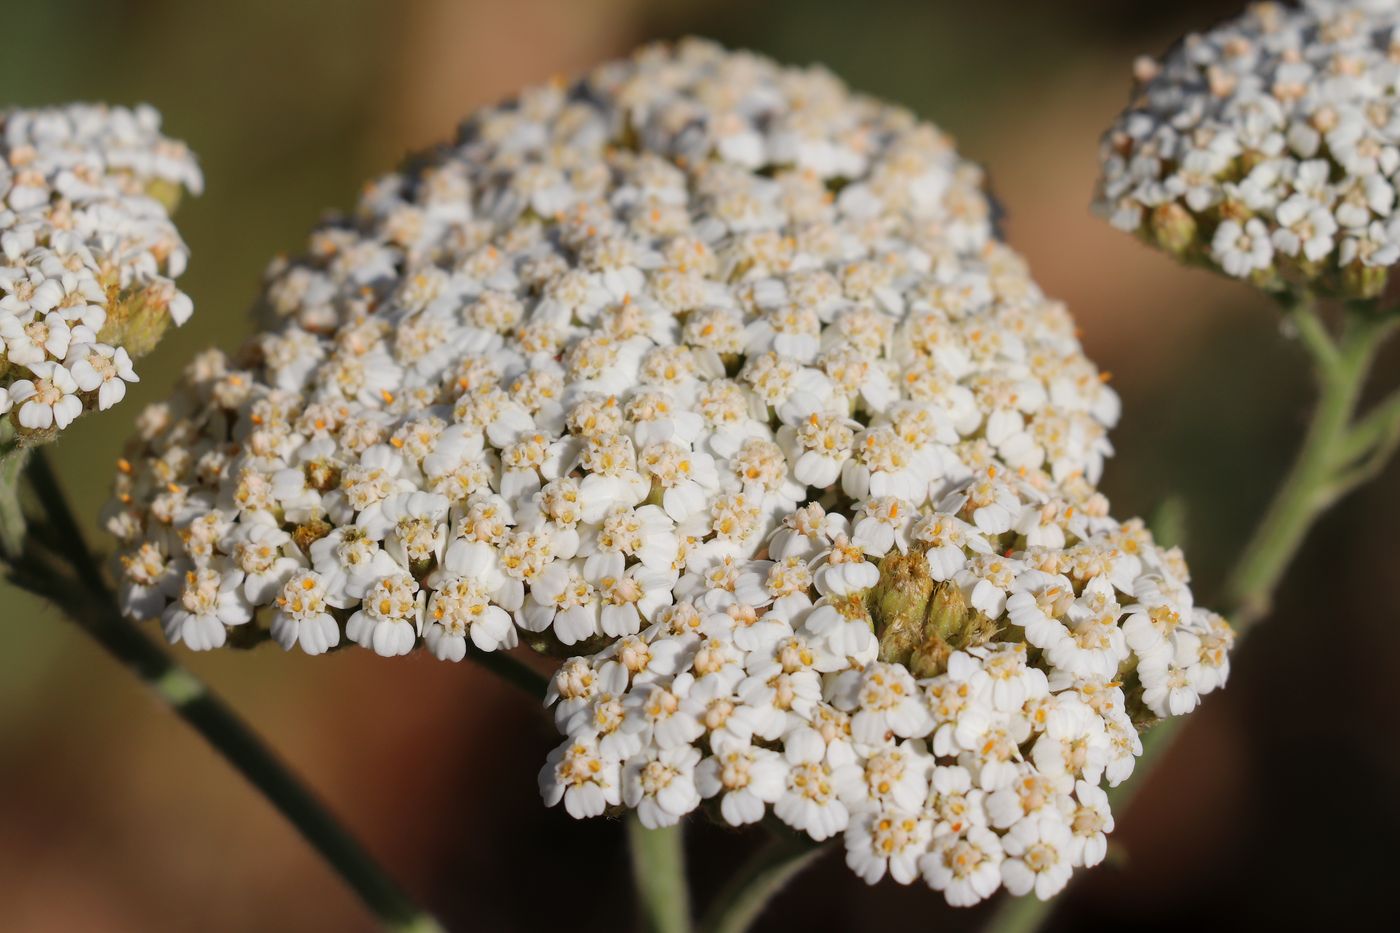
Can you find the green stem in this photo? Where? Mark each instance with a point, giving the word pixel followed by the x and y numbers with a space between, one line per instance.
pixel 658 868
pixel 1311 484
pixel 1371 444
pixel 1018 915
pixel 11 515
pixel 1374 428
pixel 12 460
pixel 59 513
pixel 85 597
pixel 749 889
pixel 1323 471
pixel 184 693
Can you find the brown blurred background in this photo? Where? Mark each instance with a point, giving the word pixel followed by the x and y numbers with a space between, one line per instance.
pixel 1277 806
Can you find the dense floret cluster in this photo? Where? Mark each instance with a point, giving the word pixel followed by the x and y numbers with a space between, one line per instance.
pixel 88 257
pixel 712 374
pixel 949 696
pixel 1269 147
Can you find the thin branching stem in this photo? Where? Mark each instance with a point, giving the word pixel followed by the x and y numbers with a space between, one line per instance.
pixel 757 880
pixel 658 868
pixel 1312 483
pixel 76 585
pixel 91 604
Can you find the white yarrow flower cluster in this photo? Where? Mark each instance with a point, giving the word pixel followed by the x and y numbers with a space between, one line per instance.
pixel 953 716
pixel 712 374
pixel 598 343
pixel 1269 147
pixel 88 257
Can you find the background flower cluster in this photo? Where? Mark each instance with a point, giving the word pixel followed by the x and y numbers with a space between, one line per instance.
pixel 89 256
pixel 1269 147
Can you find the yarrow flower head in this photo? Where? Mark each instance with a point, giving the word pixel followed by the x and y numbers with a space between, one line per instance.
pixel 88 257
pixel 1269 148
pixel 714 376
pixel 943 741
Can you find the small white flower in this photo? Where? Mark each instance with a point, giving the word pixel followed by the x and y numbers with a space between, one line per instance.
pixel 1038 603
pixel 1307 229
pixel 1074 743
pixel 149 579
pixel 561 599
pixel 350 562
pixel 460 608
pixel 660 785
pixel 659 713
pixel 39 339
pixel 1030 796
pixel 954 804
pixel 208 603
pixel 1039 857
pixel 897 777
pixel 1091 823
pixel 811 800
pixel 302 616
pixel 966 868
pixel 390 618
pixel 1168 686
pixel 578 774
pixel 1004 680
pixel 987 580
pixel 749 779
pixel 103 369
pixel 1242 248
pixel 889 702
pixel 266 556
pixel 887 840
pixel 416 527
pixel 48 400
pixel 948 540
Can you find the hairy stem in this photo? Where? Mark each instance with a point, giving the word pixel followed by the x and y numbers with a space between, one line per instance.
pixel 658 868
pixel 1311 484
pixel 1374 429
pixel 757 880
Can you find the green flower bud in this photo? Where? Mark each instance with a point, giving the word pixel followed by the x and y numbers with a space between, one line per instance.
pixel 1173 228
pixel 920 622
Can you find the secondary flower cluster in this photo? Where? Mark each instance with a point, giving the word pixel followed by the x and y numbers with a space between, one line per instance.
pixel 88 257
pixel 715 374
pixel 948 697
pixel 1269 147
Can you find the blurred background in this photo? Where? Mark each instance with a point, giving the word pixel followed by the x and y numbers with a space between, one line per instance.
pixel 114 816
